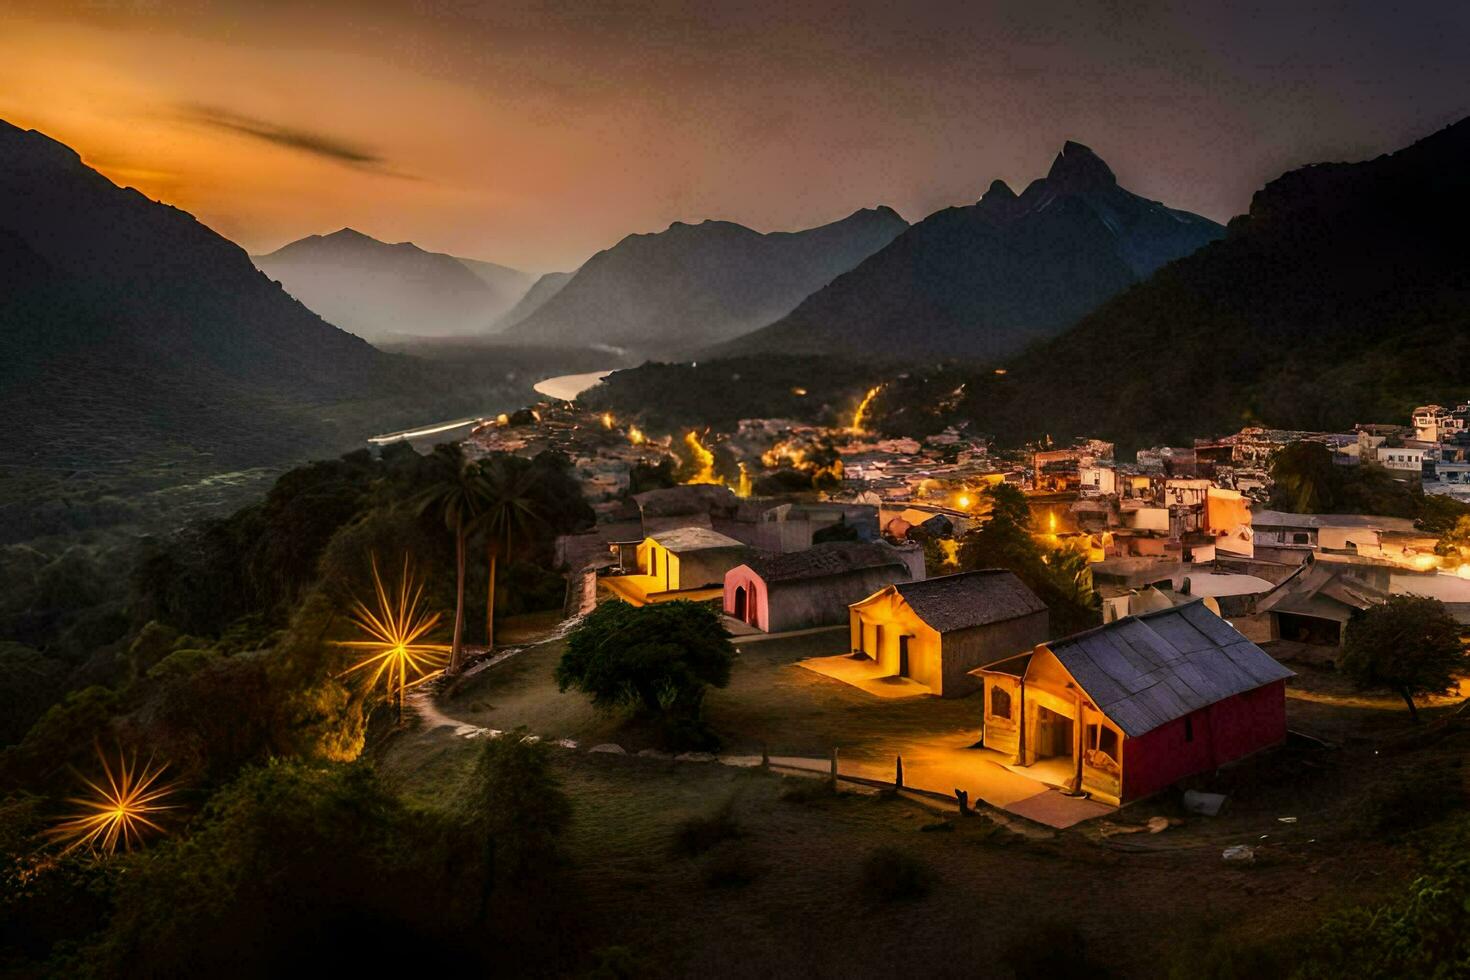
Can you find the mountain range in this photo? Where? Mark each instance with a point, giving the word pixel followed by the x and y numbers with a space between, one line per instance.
pixel 694 285
pixel 1343 296
pixel 139 351
pixel 382 291
pixel 542 290
pixel 982 281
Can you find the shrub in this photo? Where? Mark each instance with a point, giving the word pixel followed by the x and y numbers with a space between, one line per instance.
pixel 695 835
pixel 516 803
pixel 1052 950
pixel 892 875
pixel 1420 798
pixel 729 868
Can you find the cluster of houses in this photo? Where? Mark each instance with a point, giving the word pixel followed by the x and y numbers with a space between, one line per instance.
pixel 1190 574
pixel 1117 712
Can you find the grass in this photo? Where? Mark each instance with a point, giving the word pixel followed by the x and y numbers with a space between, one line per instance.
pixel 684 868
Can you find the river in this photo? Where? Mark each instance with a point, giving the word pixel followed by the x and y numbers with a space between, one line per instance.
pixel 567 387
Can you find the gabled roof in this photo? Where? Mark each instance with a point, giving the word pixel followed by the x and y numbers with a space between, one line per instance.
pixel 824 560
pixel 956 602
pixel 685 539
pixel 1323 590
pixel 1281 518
pixel 1145 671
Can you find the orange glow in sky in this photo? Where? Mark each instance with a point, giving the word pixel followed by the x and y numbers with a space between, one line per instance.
pixel 536 134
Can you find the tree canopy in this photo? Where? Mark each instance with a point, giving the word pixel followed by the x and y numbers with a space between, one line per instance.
pixel 1409 645
pixel 657 659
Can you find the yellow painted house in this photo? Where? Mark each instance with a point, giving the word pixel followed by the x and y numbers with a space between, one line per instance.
pixel 936 631
pixel 683 563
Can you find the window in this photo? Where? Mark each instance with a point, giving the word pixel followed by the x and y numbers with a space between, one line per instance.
pixel 1000 702
pixel 1189 728
pixel 1103 740
pixel 1300 537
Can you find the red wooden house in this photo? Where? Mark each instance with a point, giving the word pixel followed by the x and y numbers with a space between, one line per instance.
pixel 1127 709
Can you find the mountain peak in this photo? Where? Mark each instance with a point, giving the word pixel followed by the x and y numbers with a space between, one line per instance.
pixel 999 190
pixel 351 235
pixel 1078 168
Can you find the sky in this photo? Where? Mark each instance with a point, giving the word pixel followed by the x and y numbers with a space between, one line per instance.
pixel 535 134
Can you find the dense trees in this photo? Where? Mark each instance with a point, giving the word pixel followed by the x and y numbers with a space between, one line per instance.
pixel 1409 645
pixel 1057 574
pixel 1307 481
pixel 656 659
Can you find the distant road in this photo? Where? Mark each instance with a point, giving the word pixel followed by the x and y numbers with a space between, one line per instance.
pixel 567 387
pixel 408 435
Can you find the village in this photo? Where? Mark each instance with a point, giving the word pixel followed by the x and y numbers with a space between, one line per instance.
pixel 836 551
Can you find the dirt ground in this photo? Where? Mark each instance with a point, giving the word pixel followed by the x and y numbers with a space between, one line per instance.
pixel 784 898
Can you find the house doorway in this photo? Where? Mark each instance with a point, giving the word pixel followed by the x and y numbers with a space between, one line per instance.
pixel 742 601
pixel 903 655
pixel 1053 734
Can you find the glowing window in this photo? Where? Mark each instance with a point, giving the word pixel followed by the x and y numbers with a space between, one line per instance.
pixel 1000 702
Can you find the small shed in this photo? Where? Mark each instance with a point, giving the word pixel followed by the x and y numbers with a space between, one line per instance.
pixel 936 631
pixel 810 588
pixel 1127 709
pixel 1313 605
pixel 689 558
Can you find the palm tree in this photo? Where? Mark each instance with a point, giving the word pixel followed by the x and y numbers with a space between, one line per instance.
pixel 508 513
pixel 456 494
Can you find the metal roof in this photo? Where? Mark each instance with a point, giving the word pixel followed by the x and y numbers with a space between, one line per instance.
pixel 956 602
pixel 824 560
pixel 1145 671
pixel 1281 518
pixel 684 539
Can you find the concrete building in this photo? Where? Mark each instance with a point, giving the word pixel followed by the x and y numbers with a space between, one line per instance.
pixel 776 593
pixel 936 631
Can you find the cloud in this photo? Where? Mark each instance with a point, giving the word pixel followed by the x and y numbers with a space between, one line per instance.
pixel 316 144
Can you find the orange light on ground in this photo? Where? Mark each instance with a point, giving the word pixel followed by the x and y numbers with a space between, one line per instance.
pixel 744 489
pixel 950 550
pixel 393 649
pixel 120 810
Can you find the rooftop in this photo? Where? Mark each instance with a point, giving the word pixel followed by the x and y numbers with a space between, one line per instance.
pixel 1145 671
pixel 824 560
pixel 956 602
pixel 683 539
pixel 1281 518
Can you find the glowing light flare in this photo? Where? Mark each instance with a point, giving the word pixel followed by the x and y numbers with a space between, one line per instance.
pixel 607 420
pixel 702 459
pixel 121 807
pixel 744 487
pixel 862 410
pixel 636 436
pixel 392 651
pixel 963 501
pixel 949 549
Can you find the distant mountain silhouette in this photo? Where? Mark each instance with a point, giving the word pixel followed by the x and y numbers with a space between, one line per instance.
pixel 536 297
pixel 1342 297
pixel 379 291
pixel 134 341
pixel 983 281
pixel 699 284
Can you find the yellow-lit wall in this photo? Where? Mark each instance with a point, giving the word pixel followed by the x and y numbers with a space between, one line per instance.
pixel 875 626
pixel 659 563
pixel 1049 685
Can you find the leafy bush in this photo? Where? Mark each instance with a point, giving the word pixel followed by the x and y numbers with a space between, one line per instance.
pixel 516 803
pixel 657 659
pixel 698 834
pixel 1420 932
pixel 892 875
